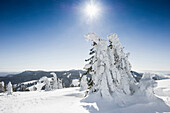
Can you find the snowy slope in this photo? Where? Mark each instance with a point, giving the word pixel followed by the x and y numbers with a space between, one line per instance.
pixel 70 100
pixel 163 90
pixel 58 101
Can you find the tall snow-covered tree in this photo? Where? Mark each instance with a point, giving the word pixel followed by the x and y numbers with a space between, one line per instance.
pixel 109 67
pixel 120 67
pixel 99 65
pixel 9 89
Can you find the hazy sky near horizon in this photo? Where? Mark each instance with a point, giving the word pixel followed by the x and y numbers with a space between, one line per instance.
pixel 49 34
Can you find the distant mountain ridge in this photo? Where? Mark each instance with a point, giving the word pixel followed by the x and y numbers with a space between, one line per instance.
pixel 65 76
pixel 3 74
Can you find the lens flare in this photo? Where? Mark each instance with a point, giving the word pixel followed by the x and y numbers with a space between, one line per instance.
pixel 92 10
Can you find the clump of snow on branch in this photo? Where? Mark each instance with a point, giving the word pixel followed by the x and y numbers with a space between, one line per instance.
pixel 9 89
pixel 92 37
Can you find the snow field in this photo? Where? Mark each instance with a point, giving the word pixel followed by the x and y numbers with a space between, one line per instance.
pixel 71 100
pixel 59 101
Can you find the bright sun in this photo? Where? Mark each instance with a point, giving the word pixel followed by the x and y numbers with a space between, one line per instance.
pixel 92 10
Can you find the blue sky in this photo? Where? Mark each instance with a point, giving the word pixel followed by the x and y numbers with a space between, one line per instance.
pixel 49 34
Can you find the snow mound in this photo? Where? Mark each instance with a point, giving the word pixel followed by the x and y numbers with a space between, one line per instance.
pixel 138 103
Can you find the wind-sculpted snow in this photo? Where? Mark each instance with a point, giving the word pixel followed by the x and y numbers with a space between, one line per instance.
pixel 163 90
pixel 133 104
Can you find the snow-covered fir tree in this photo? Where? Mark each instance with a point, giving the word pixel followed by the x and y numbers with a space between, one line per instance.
pixel 47 85
pixel 60 86
pixel 109 67
pixel 120 67
pixel 2 87
pixel 34 88
pixel 56 82
pixel 46 82
pixel 9 89
pixel 146 85
pixel 39 85
pixel 83 83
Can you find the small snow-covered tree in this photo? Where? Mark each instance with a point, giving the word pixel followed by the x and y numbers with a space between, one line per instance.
pixel 54 82
pixel 9 89
pixel 46 82
pixel 60 86
pixel 83 83
pixel 39 85
pixel 146 85
pixel 109 67
pixel 2 87
pixel 34 88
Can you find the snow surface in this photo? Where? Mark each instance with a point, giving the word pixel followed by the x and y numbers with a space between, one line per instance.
pixel 163 90
pixel 75 82
pixel 59 101
pixel 71 100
